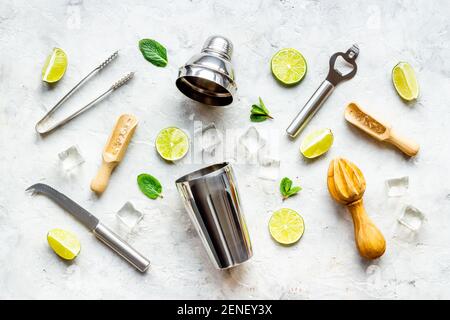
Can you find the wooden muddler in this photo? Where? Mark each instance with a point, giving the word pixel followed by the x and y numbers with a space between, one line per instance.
pixel 346 184
pixel 114 150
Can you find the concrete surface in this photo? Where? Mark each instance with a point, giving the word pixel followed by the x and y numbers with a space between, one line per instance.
pixel 325 263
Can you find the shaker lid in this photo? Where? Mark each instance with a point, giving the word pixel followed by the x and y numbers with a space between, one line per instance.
pixel 209 77
pixel 220 45
pixel 205 85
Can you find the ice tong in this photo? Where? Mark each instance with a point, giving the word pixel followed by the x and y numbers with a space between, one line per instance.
pixel 40 126
pixel 323 92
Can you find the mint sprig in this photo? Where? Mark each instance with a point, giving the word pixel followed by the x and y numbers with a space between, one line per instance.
pixel 286 188
pixel 149 185
pixel 259 112
pixel 154 52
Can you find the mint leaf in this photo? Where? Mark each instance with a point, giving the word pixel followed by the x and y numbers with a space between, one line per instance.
pixel 259 112
pixel 153 52
pixel 286 188
pixel 149 185
pixel 294 190
pixel 285 185
pixel 258 117
pixel 263 106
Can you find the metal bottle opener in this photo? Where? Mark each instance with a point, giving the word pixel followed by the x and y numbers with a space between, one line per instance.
pixel 323 92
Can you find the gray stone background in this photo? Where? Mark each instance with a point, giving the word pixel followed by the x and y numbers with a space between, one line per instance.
pixel 325 263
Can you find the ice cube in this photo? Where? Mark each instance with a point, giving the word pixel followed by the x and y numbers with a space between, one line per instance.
pixel 412 218
pixel 270 187
pixel 269 173
pixel 129 216
pixel 397 187
pixel 207 140
pixel 252 142
pixel 269 168
pixel 209 137
pixel 70 158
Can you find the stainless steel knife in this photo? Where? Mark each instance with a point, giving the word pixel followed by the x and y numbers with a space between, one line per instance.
pixel 102 233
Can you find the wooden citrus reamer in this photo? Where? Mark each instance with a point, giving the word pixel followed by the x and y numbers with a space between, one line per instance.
pixel 346 184
pixel 114 150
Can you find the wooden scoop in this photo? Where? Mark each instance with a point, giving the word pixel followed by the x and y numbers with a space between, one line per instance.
pixel 379 130
pixel 114 150
pixel 346 184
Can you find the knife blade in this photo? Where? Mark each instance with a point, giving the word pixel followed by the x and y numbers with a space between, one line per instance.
pixel 102 233
pixel 82 215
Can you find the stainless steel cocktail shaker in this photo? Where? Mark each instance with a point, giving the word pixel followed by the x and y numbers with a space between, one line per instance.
pixel 208 77
pixel 211 198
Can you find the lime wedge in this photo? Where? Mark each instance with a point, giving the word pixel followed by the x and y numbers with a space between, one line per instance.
pixel 55 66
pixel 64 243
pixel 316 143
pixel 405 81
pixel 288 66
pixel 172 143
pixel 286 226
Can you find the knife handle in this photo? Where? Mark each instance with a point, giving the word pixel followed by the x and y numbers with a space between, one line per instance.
pixel 113 241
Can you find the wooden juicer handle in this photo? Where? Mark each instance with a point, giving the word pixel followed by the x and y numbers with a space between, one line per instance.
pixel 347 185
pixel 369 240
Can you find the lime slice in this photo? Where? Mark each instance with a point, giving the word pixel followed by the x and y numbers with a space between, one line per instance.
pixel 288 66
pixel 55 66
pixel 286 226
pixel 64 243
pixel 316 143
pixel 405 81
pixel 172 143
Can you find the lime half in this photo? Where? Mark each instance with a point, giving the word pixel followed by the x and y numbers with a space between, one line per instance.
pixel 55 66
pixel 317 143
pixel 288 66
pixel 172 143
pixel 64 243
pixel 286 226
pixel 405 81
